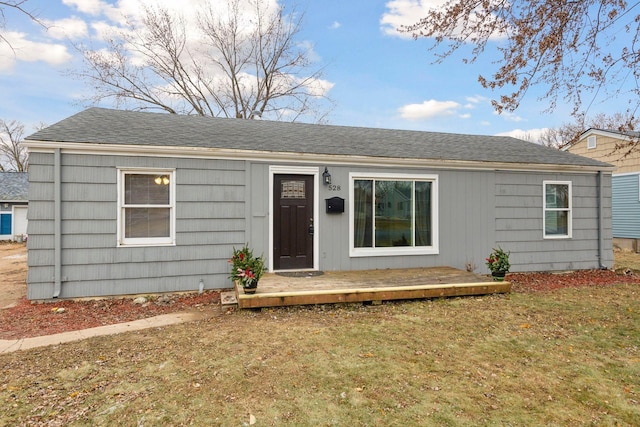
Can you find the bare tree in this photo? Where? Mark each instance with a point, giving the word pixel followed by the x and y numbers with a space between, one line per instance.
pixel 13 155
pixel 19 6
pixel 569 133
pixel 234 64
pixel 578 50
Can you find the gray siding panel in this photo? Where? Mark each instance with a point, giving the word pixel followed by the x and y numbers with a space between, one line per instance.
pixel 210 218
pixel 223 204
pixel 466 229
pixel 518 223
pixel 626 206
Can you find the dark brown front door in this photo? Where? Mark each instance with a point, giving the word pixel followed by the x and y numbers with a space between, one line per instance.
pixel 293 222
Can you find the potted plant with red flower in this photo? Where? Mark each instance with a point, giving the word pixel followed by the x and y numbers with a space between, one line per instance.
pixel 246 269
pixel 498 263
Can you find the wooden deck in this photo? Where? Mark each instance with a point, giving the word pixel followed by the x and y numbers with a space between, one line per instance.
pixel 277 290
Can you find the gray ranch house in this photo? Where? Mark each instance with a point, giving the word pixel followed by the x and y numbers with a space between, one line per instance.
pixel 128 202
pixel 14 188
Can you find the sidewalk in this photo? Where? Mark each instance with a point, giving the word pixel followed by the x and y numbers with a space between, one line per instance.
pixel 8 346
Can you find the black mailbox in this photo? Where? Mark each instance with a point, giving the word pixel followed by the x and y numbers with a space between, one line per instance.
pixel 335 205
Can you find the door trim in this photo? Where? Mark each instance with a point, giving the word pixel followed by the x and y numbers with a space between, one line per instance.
pixel 296 170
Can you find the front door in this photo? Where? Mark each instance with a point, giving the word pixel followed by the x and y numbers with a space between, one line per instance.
pixel 293 226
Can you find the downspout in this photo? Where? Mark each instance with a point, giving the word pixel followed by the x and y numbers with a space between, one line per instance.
pixel 600 220
pixel 57 224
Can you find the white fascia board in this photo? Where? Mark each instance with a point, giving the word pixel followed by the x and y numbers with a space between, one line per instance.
pixel 605 133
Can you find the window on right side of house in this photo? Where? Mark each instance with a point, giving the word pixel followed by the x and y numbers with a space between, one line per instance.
pixel 591 142
pixel 557 210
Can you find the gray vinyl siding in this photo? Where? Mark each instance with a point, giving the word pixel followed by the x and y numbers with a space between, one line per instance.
pixel 221 204
pixel 626 206
pixel 477 210
pixel 466 230
pixel 40 228
pixel 210 221
pixel 518 223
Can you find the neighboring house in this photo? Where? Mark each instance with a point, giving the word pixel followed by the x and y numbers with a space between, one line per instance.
pixel 613 147
pixel 13 205
pixel 128 202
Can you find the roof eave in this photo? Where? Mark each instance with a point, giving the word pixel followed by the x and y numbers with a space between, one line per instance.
pixel 611 134
pixel 266 156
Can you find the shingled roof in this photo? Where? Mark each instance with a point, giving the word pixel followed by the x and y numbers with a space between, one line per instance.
pixel 14 186
pixel 106 126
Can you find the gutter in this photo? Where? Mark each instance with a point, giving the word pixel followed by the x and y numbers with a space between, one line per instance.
pixel 57 224
pixel 600 220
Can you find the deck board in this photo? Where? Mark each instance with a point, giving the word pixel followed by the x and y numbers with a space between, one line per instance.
pixel 371 285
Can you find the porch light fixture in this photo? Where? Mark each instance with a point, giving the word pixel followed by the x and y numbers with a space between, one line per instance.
pixel 162 179
pixel 326 176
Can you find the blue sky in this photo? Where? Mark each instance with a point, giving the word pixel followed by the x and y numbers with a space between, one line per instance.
pixel 379 78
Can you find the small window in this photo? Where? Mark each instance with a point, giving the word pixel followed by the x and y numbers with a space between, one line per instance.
pixel 591 142
pixel 557 209
pixel 146 207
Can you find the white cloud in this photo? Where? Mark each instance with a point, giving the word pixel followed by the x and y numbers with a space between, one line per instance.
pixel 409 12
pixel 428 109
pixel 308 47
pixel 474 100
pixel 405 12
pixel 19 48
pixel 103 30
pixel 335 25
pixel 465 116
pixel 90 7
pixel 509 116
pixel 319 87
pixel 71 28
pixel 531 135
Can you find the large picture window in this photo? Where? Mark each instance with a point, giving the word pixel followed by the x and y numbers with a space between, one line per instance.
pixel 557 209
pixel 393 214
pixel 146 207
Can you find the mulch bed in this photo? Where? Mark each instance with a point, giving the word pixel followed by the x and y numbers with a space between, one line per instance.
pixel 28 319
pixel 541 282
pixel 31 319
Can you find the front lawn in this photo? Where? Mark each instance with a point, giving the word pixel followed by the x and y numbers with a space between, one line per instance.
pixel 562 357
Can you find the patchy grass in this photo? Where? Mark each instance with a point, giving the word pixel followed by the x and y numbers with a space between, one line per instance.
pixel 567 357
pixel 626 260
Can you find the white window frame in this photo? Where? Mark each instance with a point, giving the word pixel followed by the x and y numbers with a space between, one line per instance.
pixel 569 210
pixel 146 241
pixel 591 142
pixel 399 250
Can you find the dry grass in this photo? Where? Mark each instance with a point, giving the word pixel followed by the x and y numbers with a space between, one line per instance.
pixel 568 357
pixel 626 260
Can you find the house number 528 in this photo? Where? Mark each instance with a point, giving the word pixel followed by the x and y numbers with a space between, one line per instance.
pixel 333 187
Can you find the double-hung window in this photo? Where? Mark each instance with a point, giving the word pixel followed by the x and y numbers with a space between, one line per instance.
pixel 393 214
pixel 557 209
pixel 146 207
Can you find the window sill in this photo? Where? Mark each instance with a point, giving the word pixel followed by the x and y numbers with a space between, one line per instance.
pixel 559 237
pixel 145 244
pixel 389 252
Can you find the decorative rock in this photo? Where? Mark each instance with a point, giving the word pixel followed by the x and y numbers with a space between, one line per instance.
pixel 140 300
pixel 164 300
pixel 60 310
